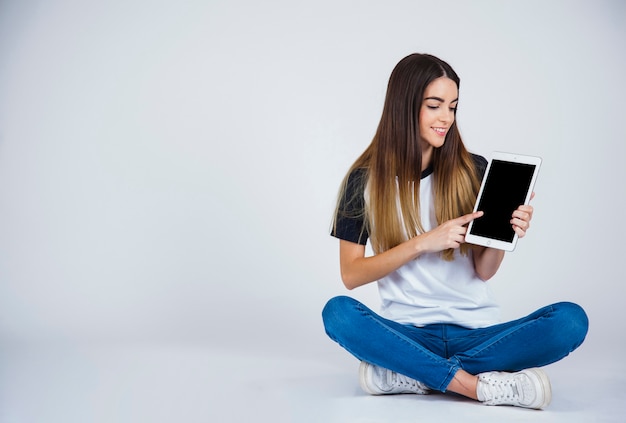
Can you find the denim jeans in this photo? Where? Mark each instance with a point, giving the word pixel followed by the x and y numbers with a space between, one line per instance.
pixel 434 353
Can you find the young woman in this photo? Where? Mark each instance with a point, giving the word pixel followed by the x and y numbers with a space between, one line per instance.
pixel 411 194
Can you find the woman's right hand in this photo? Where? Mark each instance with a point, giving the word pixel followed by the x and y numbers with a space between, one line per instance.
pixel 450 234
pixel 357 270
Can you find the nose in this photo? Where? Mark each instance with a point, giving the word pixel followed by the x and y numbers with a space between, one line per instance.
pixel 446 115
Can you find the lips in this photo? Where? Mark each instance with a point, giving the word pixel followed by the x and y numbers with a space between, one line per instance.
pixel 440 131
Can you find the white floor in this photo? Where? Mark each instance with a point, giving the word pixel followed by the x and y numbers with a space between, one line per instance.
pixel 203 384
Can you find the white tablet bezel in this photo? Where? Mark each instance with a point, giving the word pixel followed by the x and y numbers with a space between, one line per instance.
pixel 507 157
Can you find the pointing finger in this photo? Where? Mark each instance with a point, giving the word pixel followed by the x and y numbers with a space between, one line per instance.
pixel 469 217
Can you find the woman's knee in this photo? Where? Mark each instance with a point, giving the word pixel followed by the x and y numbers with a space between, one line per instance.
pixel 336 308
pixel 573 321
pixel 338 314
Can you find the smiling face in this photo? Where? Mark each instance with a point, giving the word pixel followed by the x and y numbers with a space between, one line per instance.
pixel 437 114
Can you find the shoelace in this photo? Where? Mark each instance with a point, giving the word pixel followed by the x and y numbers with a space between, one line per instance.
pixel 404 381
pixel 501 389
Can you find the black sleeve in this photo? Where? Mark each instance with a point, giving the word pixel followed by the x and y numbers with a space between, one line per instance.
pixel 350 219
pixel 481 165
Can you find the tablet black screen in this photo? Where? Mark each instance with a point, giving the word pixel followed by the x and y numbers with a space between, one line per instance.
pixel 505 190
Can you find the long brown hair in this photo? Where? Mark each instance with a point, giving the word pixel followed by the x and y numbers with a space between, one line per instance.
pixel 392 163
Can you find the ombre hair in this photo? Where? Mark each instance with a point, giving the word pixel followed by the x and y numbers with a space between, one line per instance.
pixel 392 163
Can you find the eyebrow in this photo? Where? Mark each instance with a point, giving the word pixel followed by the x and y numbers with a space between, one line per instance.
pixel 441 99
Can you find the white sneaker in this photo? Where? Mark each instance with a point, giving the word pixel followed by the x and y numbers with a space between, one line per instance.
pixel 529 388
pixel 378 381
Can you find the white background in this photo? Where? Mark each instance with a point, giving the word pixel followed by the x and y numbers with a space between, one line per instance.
pixel 168 169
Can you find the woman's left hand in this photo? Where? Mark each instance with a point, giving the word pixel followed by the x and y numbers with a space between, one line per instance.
pixel 521 218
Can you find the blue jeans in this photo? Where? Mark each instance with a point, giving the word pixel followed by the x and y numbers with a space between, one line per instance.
pixel 434 353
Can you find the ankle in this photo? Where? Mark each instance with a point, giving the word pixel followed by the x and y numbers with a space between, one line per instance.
pixel 464 384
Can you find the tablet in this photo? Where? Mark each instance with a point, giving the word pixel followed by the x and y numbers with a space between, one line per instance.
pixel 508 183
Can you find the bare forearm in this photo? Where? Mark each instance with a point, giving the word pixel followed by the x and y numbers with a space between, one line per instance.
pixel 487 262
pixel 357 270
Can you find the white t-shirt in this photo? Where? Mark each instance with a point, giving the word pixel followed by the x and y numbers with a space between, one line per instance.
pixel 431 290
